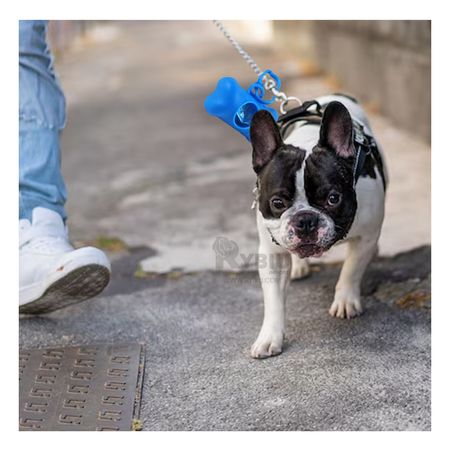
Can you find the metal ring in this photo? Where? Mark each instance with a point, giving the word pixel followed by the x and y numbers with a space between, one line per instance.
pixel 269 84
pixel 286 101
pixel 280 96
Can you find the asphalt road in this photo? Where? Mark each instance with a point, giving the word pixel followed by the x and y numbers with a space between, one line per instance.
pixel 368 373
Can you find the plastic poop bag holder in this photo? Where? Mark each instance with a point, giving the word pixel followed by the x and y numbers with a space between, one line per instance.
pixel 237 106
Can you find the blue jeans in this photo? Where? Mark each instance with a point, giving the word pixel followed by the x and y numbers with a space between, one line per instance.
pixel 41 119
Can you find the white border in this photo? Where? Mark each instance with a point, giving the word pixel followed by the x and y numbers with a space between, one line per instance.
pixel 229 9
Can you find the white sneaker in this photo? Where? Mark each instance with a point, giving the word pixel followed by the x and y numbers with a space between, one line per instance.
pixel 52 274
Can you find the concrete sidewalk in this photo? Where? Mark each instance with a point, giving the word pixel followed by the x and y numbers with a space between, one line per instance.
pixel 146 166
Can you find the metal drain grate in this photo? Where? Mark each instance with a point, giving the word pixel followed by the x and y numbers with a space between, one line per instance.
pixel 80 388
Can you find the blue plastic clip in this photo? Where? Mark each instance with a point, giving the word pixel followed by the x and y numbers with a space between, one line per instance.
pixel 237 106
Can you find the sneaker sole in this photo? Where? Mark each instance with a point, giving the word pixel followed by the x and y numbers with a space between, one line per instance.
pixel 77 286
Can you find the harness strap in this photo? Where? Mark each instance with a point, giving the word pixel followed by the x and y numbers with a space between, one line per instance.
pixel 364 145
pixel 303 113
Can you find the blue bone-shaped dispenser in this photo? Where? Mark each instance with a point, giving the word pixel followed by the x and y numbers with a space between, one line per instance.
pixel 236 106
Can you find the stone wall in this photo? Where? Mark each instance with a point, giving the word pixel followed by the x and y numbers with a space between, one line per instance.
pixel 384 63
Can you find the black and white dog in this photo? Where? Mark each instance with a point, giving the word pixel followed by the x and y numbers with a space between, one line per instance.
pixel 309 197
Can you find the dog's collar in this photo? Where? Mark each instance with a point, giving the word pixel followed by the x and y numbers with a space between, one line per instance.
pixel 311 112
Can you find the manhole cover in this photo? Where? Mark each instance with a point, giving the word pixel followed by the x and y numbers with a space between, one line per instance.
pixel 80 388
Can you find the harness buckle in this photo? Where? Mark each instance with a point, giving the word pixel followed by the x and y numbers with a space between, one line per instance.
pixel 359 136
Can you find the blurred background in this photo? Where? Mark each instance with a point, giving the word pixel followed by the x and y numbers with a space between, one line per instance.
pixel 147 168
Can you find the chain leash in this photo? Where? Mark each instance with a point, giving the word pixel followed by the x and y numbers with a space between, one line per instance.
pixel 269 83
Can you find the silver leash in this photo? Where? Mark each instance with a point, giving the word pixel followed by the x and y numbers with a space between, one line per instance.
pixel 269 83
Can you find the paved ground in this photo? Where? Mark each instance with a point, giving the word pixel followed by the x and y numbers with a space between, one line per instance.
pixel 146 165
pixel 370 373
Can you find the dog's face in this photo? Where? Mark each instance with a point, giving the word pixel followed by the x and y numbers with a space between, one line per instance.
pixel 308 202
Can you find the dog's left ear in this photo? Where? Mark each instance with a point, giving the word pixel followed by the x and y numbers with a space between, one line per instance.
pixel 265 138
pixel 336 130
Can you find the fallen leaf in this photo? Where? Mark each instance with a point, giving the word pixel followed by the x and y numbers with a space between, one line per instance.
pixel 414 299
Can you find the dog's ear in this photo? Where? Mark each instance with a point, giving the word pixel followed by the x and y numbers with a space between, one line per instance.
pixel 265 138
pixel 336 130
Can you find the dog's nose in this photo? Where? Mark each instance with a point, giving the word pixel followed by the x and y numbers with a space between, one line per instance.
pixel 307 223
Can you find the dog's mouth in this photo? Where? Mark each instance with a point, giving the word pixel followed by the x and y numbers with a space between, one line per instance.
pixel 308 250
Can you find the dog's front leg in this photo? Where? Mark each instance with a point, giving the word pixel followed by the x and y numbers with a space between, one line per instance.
pixel 347 298
pixel 274 273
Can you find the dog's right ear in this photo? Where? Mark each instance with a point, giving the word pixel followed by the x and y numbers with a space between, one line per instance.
pixel 265 138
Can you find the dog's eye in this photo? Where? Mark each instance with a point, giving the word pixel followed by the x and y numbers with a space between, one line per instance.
pixel 334 198
pixel 278 204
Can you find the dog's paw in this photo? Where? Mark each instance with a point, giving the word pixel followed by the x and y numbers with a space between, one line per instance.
pixel 346 304
pixel 269 343
pixel 300 268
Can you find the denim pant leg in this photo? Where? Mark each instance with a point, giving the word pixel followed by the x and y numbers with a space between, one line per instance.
pixel 41 119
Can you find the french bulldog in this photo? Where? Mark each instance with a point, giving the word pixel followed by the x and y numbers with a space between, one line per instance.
pixel 307 200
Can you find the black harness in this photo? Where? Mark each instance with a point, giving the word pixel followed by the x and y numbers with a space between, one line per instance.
pixel 311 112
